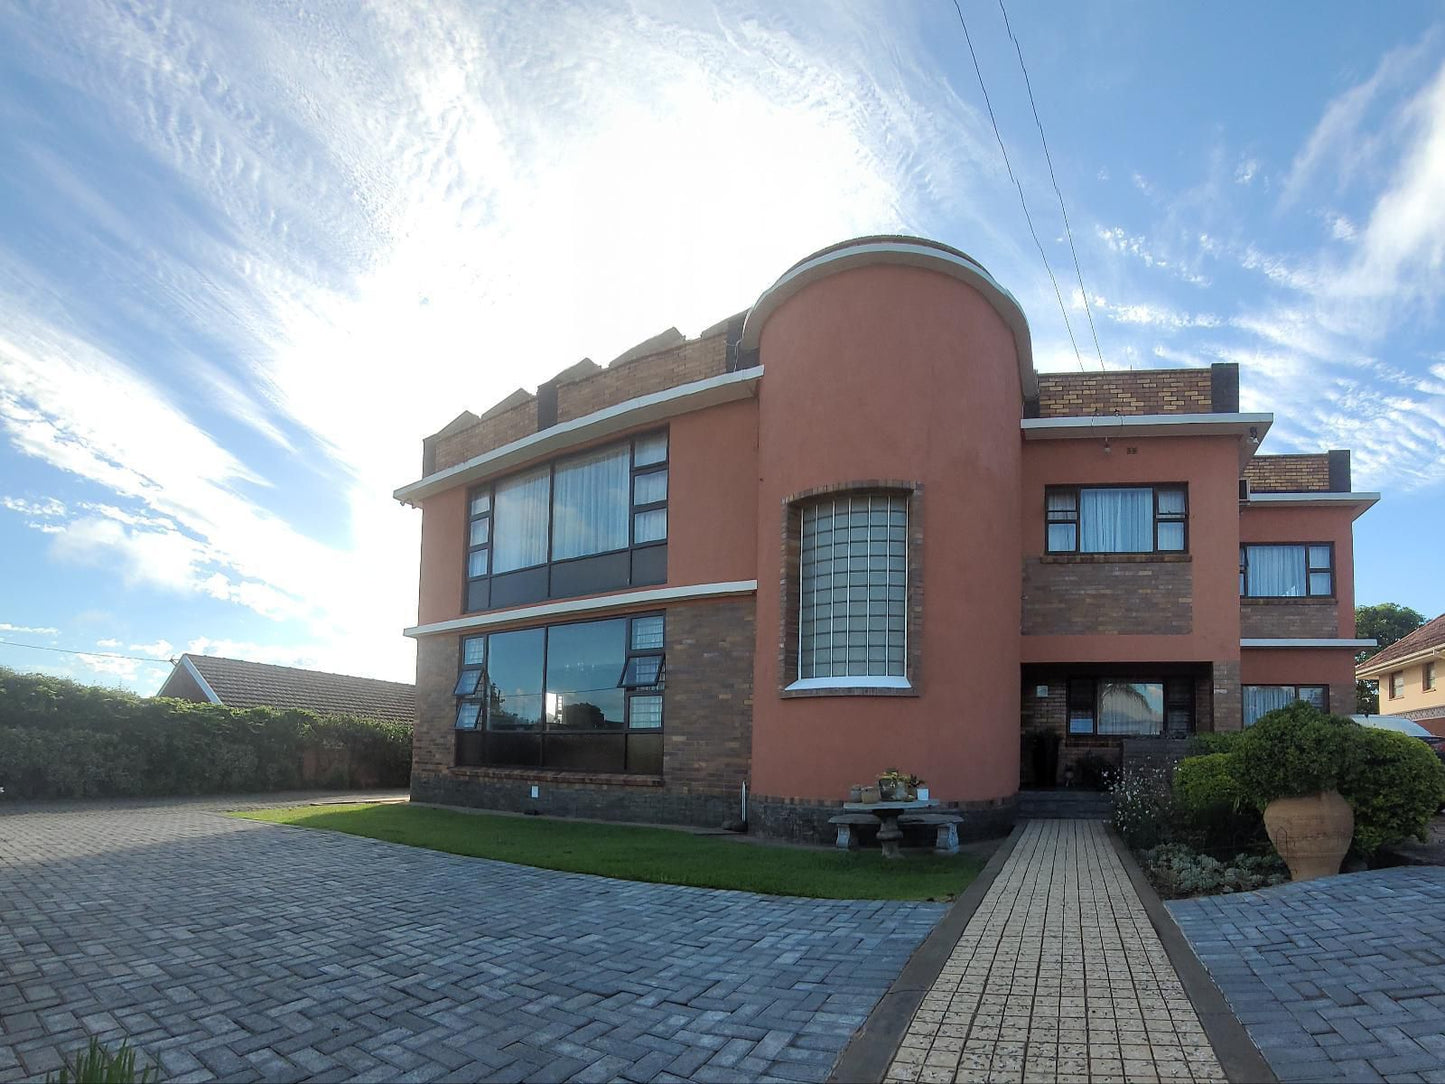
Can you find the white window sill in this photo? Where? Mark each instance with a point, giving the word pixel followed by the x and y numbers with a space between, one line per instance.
pixel 803 684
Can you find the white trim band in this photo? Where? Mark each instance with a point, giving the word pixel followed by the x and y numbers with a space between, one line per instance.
pixel 592 604
pixel 644 410
pixel 1353 645
pixel 1370 668
pixel 1361 502
pixel 848 683
pixel 202 682
pixel 907 252
pixel 1145 425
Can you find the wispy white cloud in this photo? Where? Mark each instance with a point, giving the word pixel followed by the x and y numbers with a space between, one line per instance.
pixel 1245 172
pixel 35 630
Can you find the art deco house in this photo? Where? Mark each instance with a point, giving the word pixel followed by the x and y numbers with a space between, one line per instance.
pixel 852 529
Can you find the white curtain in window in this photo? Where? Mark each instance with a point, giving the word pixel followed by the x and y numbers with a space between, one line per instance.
pixel 591 506
pixel 1262 699
pixel 1276 571
pixel 519 535
pixel 1116 520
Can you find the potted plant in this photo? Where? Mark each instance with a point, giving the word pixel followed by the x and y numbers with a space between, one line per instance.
pixel 1290 764
pixel 895 786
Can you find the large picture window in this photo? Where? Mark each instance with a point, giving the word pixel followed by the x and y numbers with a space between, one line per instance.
pixel 587 523
pixel 1262 699
pixel 1288 571
pixel 1116 519
pixel 1129 708
pixel 585 697
pixel 853 589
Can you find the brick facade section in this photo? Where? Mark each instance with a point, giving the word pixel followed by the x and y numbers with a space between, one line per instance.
pixel 1228 701
pixel 1147 391
pixel 707 733
pixel 1289 619
pixel 807 821
pixel 694 360
pixel 1083 596
pixel 1289 473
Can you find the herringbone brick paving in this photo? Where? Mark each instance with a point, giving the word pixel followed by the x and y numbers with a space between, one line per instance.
pixel 228 949
pixel 1340 978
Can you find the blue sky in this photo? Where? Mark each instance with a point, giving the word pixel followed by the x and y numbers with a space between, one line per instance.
pixel 251 254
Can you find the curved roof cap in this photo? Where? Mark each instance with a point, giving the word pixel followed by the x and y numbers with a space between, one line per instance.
pixel 908 252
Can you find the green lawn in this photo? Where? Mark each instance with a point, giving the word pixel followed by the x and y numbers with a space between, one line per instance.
pixel 644 854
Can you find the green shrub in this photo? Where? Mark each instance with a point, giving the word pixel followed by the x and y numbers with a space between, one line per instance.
pixel 1207 783
pixel 97 1065
pixel 59 739
pixel 1177 870
pixel 1213 815
pixel 1222 741
pixel 1292 752
pixel 1394 783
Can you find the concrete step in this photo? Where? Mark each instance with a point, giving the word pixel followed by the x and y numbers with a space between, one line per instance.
pixel 1063 805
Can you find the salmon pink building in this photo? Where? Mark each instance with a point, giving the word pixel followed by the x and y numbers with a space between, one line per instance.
pixel 850 530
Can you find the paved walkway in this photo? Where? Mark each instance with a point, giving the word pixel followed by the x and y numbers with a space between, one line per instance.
pixel 1058 976
pixel 234 950
pixel 1341 978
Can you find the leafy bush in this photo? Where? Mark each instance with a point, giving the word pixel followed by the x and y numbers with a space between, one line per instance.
pixel 1144 810
pixel 1176 870
pixel 1213 815
pixel 1222 741
pixel 1394 783
pixel 1292 752
pixel 97 1065
pixel 59 739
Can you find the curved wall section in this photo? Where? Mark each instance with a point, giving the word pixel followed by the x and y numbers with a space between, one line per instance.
pixel 893 374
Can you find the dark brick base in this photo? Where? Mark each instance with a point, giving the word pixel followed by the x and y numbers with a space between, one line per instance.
pixel 807 822
pixel 639 803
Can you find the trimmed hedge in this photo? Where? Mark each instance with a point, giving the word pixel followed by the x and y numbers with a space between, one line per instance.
pixel 60 739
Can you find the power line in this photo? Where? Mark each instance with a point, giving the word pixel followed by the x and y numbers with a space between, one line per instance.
pixel 1088 309
pixel 96 654
pixel 1022 202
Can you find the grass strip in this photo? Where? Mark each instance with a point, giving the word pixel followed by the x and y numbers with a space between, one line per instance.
pixel 658 855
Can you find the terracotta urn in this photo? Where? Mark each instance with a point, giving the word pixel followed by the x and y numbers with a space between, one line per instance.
pixel 1311 834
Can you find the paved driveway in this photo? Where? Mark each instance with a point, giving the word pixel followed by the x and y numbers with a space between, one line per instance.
pixel 1342 978
pixel 242 951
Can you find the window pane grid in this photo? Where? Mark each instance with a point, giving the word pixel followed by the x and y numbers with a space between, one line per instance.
pixel 853 587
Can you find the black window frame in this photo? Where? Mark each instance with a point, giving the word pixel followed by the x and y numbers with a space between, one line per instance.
pixel 1083 695
pixel 1310 569
pixel 473 585
pixel 480 697
pixel 1074 517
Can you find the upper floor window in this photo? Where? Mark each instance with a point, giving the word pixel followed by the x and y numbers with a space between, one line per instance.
pixel 1261 699
pixel 602 502
pixel 1397 685
pixel 1287 571
pixel 1116 519
pixel 1427 676
pixel 853 590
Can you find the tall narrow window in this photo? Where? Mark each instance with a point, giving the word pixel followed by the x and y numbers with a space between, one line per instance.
pixel 522 506
pixel 1397 685
pixel 589 504
pixel 853 589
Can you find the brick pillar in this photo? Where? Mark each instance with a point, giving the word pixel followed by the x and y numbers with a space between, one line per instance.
pixel 1228 706
pixel 433 743
pixel 1342 699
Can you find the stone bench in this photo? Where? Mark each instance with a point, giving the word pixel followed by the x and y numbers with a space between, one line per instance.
pixel 850 826
pixel 945 823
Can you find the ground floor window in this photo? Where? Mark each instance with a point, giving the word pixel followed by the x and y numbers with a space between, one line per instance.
pixel 585 696
pixel 1130 708
pixel 1261 699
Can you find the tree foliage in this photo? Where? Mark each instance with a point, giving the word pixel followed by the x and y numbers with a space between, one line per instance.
pixel 1384 622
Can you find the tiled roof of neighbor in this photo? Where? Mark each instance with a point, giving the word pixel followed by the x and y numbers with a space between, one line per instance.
pixel 241 684
pixel 1430 634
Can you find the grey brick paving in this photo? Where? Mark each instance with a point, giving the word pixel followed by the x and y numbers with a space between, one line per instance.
pixel 1341 978
pixel 228 949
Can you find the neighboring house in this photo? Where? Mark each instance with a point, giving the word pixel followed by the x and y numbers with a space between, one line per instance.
pixel 1411 673
pixel 850 530
pixel 207 679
